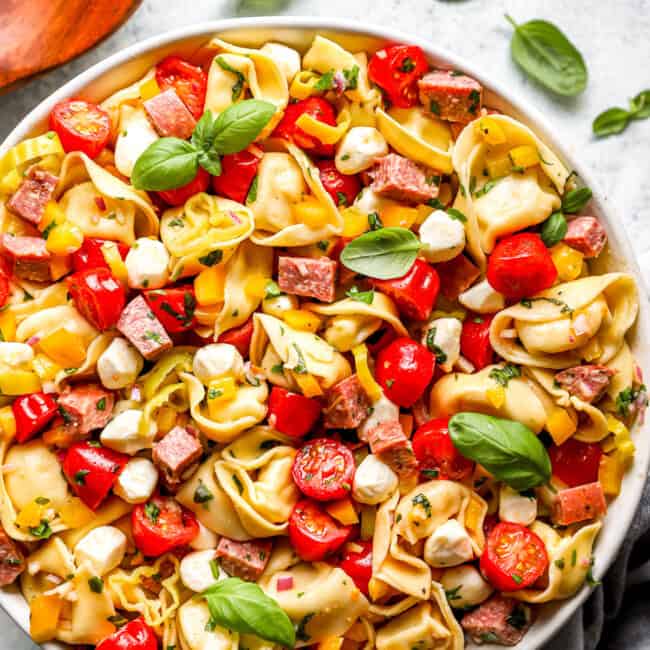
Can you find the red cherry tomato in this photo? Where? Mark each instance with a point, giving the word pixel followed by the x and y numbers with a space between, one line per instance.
pixel 237 173
pixel 199 183
pixel 404 369
pixel 173 307
pixel 90 255
pixel 98 296
pixel 321 110
pixel 162 524
pixel 514 557
pixel 342 188
pixel 292 413
pixel 396 70
pixel 436 454
pixel 32 413
pixel 521 266
pixel 358 564
pixel 475 341
pixel 189 82
pixel 92 471
pixel 135 635
pixel 575 462
pixel 240 337
pixel 81 126
pixel 323 469
pixel 4 289
pixel 415 292
pixel 380 340
pixel 313 533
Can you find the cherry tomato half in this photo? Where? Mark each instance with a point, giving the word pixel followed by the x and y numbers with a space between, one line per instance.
pixel 396 70
pixel 323 469
pixel 521 266
pixel 321 110
pixel 178 196
pixel 575 462
pixel 81 126
pixel 162 524
pixel 90 255
pixel 189 82
pixel 237 173
pixel 98 296
pixel 173 307
pixel 475 343
pixel 514 557
pixel 343 188
pixel 292 413
pixel 436 454
pixel 135 635
pixel 313 533
pixel 358 564
pixel 32 413
pixel 4 289
pixel 404 369
pixel 240 337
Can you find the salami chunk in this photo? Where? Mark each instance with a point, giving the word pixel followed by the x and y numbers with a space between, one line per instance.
pixel 579 503
pixel 30 257
pixel 30 199
pixel 456 276
pixel 12 562
pixel 390 444
pixel 399 178
pixel 451 96
pixel 86 408
pixel 308 277
pixel 169 115
pixel 586 235
pixel 175 453
pixel 587 382
pixel 347 404
pixel 139 324
pixel 245 560
pixel 498 620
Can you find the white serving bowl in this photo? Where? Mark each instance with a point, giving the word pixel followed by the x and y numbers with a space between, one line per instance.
pixel 125 67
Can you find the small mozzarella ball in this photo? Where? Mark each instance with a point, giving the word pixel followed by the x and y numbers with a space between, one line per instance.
pixel 442 237
pixel 135 134
pixel 279 305
pixel 123 434
pixel 515 507
pixel 286 58
pixel 449 545
pixel 482 298
pixel 196 571
pixel 204 540
pixel 359 148
pixel 465 586
pixel 368 202
pixel 119 364
pixel 383 410
pixel 147 264
pixel 442 336
pixel 16 354
pixel 137 480
pixel 374 481
pixel 216 360
pixel 102 549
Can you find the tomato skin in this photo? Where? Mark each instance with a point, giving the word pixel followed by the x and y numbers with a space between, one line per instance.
pixel 189 82
pixel 98 296
pixel 358 565
pixel 404 369
pixel 4 289
pixel 175 526
pixel 521 266
pixel 388 335
pixel 415 292
pixel 237 173
pixel 342 188
pixel 32 413
pixel 292 413
pixel 313 533
pixel 135 635
pixel 475 341
pixel 92 471
pixel 90 255
pixel 81 126
pixel 323 469
pixel 396 70
pixel 436 453
pixel 574 462
pixel 179 196
pixel 510 547
pixel 240 337
pixel 173 307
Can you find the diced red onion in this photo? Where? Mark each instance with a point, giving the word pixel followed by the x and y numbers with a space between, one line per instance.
pixel 33 340
pixel 100 203
pixel 338 83
pixel 284 583
pixel 234 217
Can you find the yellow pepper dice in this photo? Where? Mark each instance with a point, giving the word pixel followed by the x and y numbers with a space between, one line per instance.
pixel 610 474
pixel 75 513
pixel 560 425
pixel 219 391
pixel 32 514
pixel 343 511
pixel 53 214
pixel 496 396
pixel 209 286
pixel 8 325
pixel 568 261
pixel 498 166
pixel 44 613
pixel 524 156
pixel 11 182
pixel 491 130
pixel 301 319
pixel 355 222
pixel 331 643
pixel 7 422
pixel 64 239
pixel 116 264
pixel 19 382
pixel 64 348
pixel 310 212
pixel 399 216
pixel 256 286
pixel 308 384
pixel 149 89
pixel 165 419
pixel 368 383
pixel 45 368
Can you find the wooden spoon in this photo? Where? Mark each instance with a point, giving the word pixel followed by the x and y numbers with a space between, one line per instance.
pixel 39 34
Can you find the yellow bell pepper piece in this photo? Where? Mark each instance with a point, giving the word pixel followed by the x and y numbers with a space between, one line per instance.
pixel 343 511
pixel 310 212
pixel 32 514
pixel 331 643
pixel 368 383
pixel 498 166
pixel 256 286
pixel 303 84
pixel 8 325
pixel 7 422
pixel 11 182
pixel 524 156
pixel 165 419
pixel 115 262
pixel 74 513
pixel 220 390
pixel 308 384
pixel 491 130
pixel 568 261
pixel 45 368
pixel 64 348
pixel 209 286
pixel 53 216
pixel 610 474
pixel 561 425
pixel 615 426
pixel 355 222
pixel 60 265
pixel 399 216
pixel 496 396
pixel 44 613
pixel 64 239
pixel 149 89
pixel 19 382
pixel 301 319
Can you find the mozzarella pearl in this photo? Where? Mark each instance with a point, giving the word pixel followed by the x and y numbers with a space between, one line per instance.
pixel 123 434
pixel 442 237
pixel 137 480
pixel 196 571
pixel 449 545
pixel 147 264
pixel 204 540
pixel 466 586
pixel 216 360
pixel 482 298
pixel 445 338
pixel 119 364
pixel 102 549
pixel 16 354
pixel 516 507
pixel 374 481
pixel 359 148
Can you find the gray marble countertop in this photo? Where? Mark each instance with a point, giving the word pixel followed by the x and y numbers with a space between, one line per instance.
pixel 612 36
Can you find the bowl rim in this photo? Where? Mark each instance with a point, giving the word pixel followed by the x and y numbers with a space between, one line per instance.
pixel 632 490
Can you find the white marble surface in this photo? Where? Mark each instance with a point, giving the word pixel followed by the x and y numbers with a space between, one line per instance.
pixel 612 36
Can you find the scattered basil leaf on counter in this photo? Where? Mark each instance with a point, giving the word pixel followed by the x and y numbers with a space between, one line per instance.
pixel 507 449
pixel 615 120
pixel 548 56
pixel 575 200
pixel 554 229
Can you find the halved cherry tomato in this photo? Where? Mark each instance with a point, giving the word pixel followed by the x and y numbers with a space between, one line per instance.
pixel 323 469
pixel 173 307
pixel 32 414
pixel 179 196
pixel 575 462
pixel 92 471
pixel 436 454
pixel 98 296
pixel 292 413
pixel 162 524
pixel 514 557
pixel 475 343
pixel 237 173
pixel 313 533
pixel 415 292
pixel 90 255
pixel 189 82
pixel 81 126
pixel 396 70
pixel 240 337
pixel 4 284
pixel 343 188
pixel 521 266
pixel 321 110
pixel 358 564
pixel 135 635
pixel 404 369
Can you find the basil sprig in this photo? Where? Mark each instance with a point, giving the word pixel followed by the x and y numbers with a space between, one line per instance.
pixel 574 200
pixel 615 120
pixel 507 449
pixel 555 227
pixel 548 56
pixel 383 254
pixel 243 607
pixel 169 163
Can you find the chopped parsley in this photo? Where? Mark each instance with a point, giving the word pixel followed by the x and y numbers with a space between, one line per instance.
pixel 212 258
pixel 454 213
pixel 436 204
pixel 374 221
pixel 591 581
pixel 68 418
pixel 326 82
pixel 475 98
pixel 42 531
pixel 503 375
pixel 176 222
pixel 300 367
pixel 202 494
pixel 430 473
pixel 48 229
pixel 301 634
pixel 517 618
pixel 152 512
pixel 351 77
pixel 96 584
pixel 361 296
pixel 574 557
pixel 452 594
pixel 278 369
pixel 323 244
pixel 408 65
pixel 434 107
pixel 486 188
pixel 272 290
pixel 251 197
pixel 80 476
pixel 101 404
pixel 152 336
pixel 528 303
pixel 626 398
pixel 42 501
pixel 517 578
pixel 489 637
pixel 341 199
pixel 238 483
pixel 560 563
pixel 421 500
pixel 441 356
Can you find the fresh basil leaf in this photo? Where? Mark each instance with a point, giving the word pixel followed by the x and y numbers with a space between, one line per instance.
pixel 575 200
pixel 610 122
pixel 361 296
pixel 554 229
pixel 251 197
pixel 204 131
pixel 326 81
pixel 238 86
pixel 211 162
pixel 240 124
pixel 548 56
pixel 384 254
pixel 166 164
pixel 507 449
pixel 640 105
pixel 243 607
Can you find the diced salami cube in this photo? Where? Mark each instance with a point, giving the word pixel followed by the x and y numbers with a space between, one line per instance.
pixel 169 115
pixel 308 277
pixel 587 382
pixel 456 276
pixel 245 560
pixel 579 503
pixel 12 562
pixel 175 453
pixel 451 96
pixel 498 620
pixel 347 404
pixel 30 257
pixel 140 325
pixel 586 235
pixel 86 407
pixel 389 443
pixel 399 178
pixel 30 199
